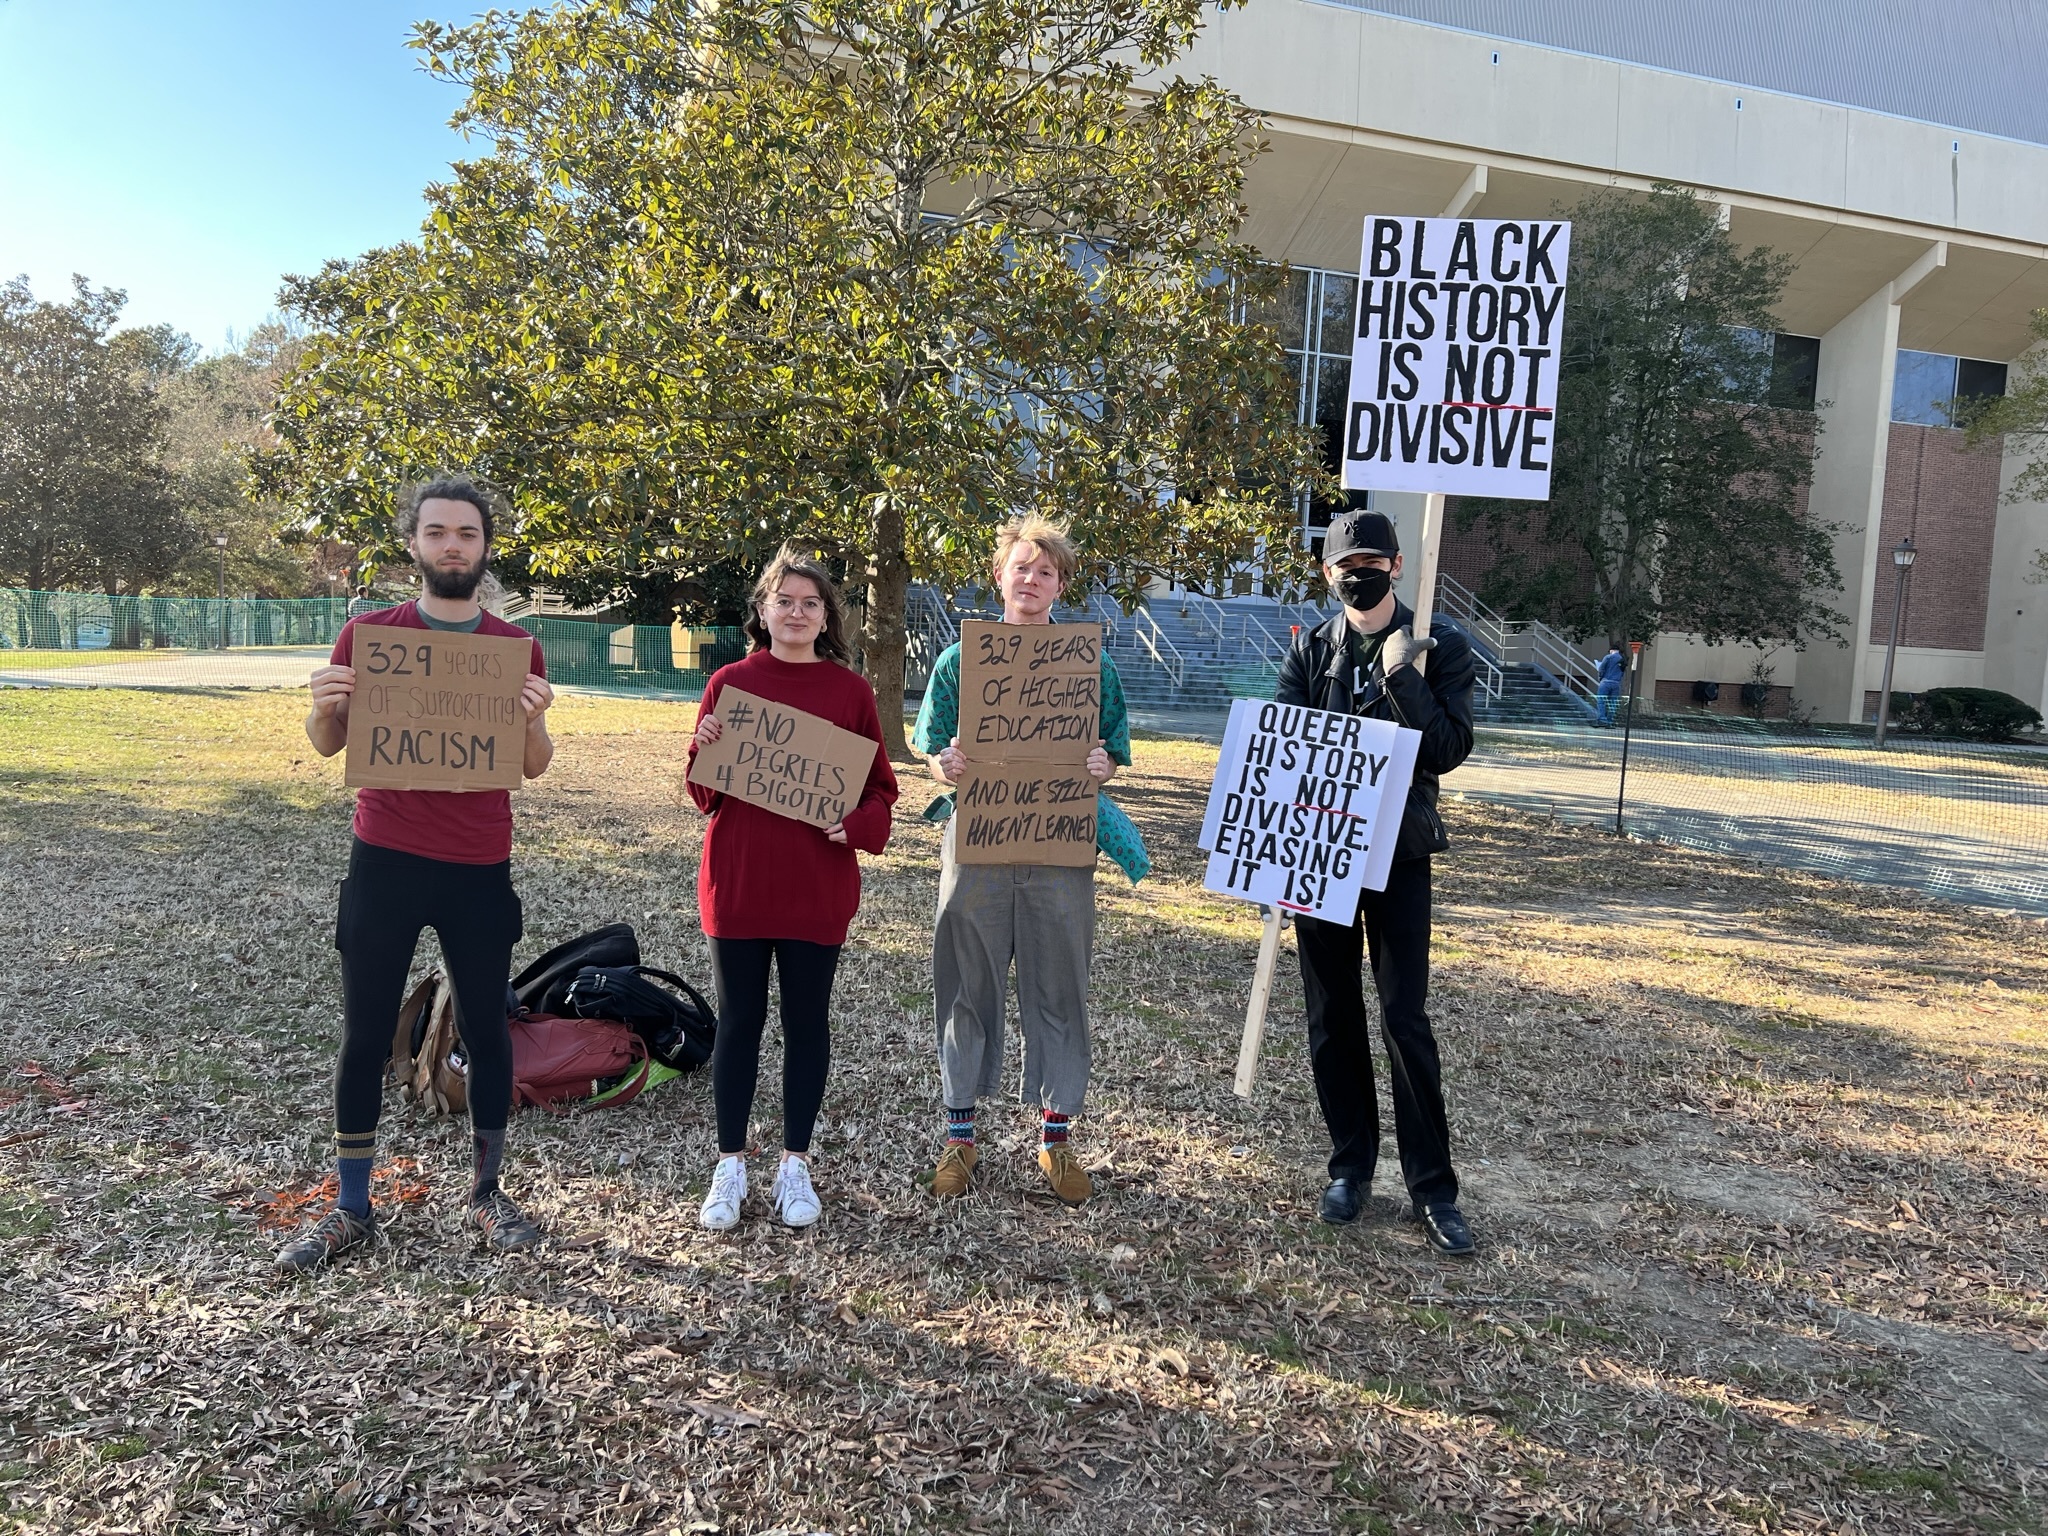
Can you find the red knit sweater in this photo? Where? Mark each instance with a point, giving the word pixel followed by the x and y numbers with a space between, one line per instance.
pixel 765 876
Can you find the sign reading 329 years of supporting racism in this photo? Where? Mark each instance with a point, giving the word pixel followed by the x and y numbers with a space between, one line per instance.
pixel 1030 713
pixel 1306 807
pixel 784 760
pixel 436 709
pixel 1459 331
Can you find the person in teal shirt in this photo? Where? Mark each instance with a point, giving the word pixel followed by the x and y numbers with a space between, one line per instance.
pixel 1039 916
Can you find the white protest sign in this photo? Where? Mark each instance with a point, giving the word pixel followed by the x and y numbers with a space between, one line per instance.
pixel 1454 364
pixel 1306 807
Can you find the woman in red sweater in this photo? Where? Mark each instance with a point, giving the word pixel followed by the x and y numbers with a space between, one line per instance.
pixel 771 887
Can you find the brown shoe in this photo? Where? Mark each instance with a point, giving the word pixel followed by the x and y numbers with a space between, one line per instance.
pixel 955 1170
pixel 1069 1180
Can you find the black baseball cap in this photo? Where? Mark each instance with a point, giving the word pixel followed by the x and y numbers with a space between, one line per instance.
pixel 1360 533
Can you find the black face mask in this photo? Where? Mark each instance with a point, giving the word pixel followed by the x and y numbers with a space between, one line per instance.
pixel 1365 588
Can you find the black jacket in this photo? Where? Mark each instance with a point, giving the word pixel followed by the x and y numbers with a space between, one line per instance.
pixel 1436 701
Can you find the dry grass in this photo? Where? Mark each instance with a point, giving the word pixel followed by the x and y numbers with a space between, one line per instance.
pixel 1755 1159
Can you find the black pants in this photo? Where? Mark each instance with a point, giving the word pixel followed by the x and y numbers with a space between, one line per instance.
pixel 386 900
pixel 739 971
pixel 1393 927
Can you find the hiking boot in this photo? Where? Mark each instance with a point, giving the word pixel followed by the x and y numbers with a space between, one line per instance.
pixel 336 1233
pixel 956 1169
pixel 721 1212
pixel 1069 1180
pixel 795 1201
pixel 504 1226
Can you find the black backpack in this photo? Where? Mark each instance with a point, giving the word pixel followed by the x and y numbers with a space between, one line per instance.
pixel 679 1031
pixel 543 985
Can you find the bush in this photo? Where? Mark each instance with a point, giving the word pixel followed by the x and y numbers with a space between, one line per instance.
pixel 1974 714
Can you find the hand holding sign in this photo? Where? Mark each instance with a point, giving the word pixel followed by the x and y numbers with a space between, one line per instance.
pixel 783 760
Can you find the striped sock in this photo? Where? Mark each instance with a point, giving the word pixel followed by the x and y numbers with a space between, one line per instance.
pixel 490 1155
pixel 355 1155
pixel 1054 1131
pixel 960 1125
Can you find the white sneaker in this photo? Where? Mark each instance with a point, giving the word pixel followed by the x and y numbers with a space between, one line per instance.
pixel 721 1211
pixel 796 1202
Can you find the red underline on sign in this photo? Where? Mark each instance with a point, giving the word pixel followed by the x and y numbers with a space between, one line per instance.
pixel 1290 906
pixel 1481 405
pixel 1329 811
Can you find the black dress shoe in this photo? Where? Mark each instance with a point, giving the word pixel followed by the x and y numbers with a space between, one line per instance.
pixel 1342 1201
pixel 1444 1225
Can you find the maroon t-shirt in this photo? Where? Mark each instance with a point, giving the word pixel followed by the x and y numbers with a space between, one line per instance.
pixel 457 826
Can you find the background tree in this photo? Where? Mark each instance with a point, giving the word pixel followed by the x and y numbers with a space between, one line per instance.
pixel 85 500
pixel 869 275
pixel 1675 492
pixel 216 413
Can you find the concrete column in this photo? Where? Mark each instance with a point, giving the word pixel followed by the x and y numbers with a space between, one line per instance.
pixel 1857 360
pixel 2016 609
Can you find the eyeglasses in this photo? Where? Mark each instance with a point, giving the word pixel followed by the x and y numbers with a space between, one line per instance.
pixel 809 607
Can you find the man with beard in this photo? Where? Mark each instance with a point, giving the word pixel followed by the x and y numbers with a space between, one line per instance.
pixel 1363 662
pixel 425 858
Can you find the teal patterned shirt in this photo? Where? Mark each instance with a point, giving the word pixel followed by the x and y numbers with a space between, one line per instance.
pixel 938 722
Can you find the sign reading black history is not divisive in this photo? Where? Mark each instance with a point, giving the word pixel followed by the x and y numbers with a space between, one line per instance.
pixel 784 760
pixel 436 709
pixel 1306 807
pixel 1460 328
pixel 1030 713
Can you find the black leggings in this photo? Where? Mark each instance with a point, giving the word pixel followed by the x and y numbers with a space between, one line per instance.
pixel 386 900
pixel 739 970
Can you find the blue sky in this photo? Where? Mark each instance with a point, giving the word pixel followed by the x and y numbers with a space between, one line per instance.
pixel 194 151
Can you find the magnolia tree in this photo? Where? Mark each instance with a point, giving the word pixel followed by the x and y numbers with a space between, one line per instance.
pixel 1676 494
pixel 871 276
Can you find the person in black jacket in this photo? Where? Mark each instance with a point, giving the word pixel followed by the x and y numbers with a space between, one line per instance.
pixel 1364 662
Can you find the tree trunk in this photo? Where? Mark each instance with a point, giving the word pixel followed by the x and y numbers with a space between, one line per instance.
pixel 883 638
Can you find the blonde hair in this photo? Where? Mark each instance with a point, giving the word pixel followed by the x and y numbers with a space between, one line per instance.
pixel 831 644
pixel 1049 538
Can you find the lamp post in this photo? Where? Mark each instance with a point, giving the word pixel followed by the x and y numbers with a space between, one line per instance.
pixel 220 551
pixel 1902 560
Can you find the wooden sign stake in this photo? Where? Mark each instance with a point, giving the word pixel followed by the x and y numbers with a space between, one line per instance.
pixel 1425 570
pixel 1255 1010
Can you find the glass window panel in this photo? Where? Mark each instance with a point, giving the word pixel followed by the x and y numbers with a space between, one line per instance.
pixel 1977 380
pixel 1795 371
pixel 1923 383
pixel 1333 385
pixel 1340 302
pixel 1286 308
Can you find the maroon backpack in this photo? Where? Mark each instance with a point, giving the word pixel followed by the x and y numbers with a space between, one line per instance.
pixel 557 1062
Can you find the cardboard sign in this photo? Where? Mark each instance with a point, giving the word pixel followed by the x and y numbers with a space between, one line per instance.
pixel 1029 692
pixel 1306 807
pixel 1030 713
pixel 1025 813
pixel 1460 328
pixel 437 709
pixel 784 760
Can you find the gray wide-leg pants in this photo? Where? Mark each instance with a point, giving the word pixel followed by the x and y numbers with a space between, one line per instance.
pixel 1042 917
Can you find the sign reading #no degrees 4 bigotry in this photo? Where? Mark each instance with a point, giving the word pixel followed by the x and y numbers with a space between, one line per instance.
pixel 1454 365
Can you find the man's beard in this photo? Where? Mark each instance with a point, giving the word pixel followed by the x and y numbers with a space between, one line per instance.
pixel 458 585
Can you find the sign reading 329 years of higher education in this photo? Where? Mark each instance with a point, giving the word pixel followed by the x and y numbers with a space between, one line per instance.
pixel 1460 328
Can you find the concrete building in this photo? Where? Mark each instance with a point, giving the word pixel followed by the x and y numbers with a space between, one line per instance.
pixel 1899 157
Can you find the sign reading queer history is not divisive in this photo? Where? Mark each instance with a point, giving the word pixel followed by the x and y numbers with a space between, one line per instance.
pixel 1030 713
pixel 784 760
pixel 437 709
pixel 1460 328
pixel 1306 807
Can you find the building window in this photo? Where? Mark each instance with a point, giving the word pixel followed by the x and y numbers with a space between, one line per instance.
pixel 1926 384
pixel 1795 371
pixel 1314 314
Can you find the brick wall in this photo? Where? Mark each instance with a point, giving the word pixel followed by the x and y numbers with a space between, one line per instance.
pixel 1946 497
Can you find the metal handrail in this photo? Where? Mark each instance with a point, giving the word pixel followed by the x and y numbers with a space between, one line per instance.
pixel 1157 640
